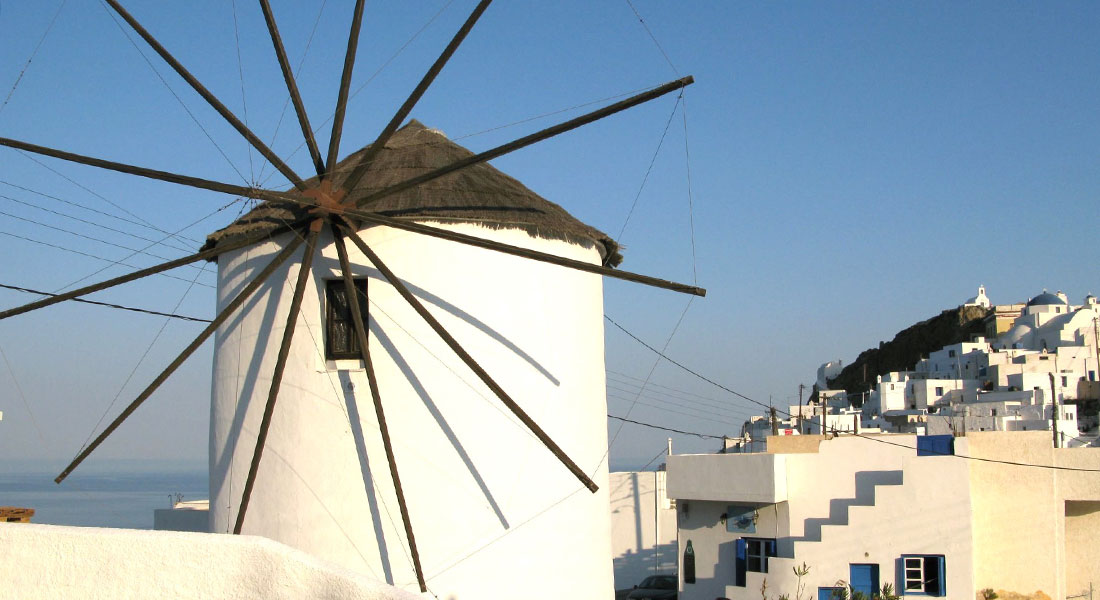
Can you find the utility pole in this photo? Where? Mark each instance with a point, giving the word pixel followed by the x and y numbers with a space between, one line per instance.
pixel 1054 411
pixel 775 424
pixel 800 388
pixel 1096 343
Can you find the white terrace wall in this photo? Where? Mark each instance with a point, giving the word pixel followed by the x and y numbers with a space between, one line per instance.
pixel 47 562
pixel 643 527
pixel 1034 528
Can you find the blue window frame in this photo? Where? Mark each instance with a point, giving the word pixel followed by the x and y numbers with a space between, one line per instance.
pixel 864 578
pixel 922 575
pixel 752 555
pixel 830 593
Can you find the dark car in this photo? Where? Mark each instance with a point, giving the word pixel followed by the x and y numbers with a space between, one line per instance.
pixel 655 587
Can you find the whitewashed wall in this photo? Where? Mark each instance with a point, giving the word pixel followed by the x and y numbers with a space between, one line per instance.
pixel 47 562
pixel 493 510
pixel 643 527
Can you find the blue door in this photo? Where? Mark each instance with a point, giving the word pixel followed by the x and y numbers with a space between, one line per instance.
pixel 863 578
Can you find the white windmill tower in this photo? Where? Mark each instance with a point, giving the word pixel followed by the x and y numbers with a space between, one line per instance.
pixel 464 309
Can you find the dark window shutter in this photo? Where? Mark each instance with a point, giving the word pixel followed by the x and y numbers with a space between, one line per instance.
pixel 340 339
pixel 740 563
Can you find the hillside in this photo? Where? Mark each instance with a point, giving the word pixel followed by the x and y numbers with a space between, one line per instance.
pixel 910 345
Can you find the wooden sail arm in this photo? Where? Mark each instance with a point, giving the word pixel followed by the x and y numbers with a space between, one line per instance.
pixel 345 84
pixel 372 150
pixel 527 140
pixel 357 318
pixel 462 238
pixel 473 365
pixel 209 97
pixel 195 182
pixel 292 87
pixel 221 248
pixel 187 352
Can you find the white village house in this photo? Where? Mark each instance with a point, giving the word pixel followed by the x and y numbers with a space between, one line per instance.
pixel 872 510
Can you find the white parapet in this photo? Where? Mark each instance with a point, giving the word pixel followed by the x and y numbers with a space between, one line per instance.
pixel 48 561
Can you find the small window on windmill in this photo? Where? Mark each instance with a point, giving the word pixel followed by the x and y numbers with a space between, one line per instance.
pixel 340 338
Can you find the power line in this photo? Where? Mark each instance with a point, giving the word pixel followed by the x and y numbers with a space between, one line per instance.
pixel 92 223
pixel 696 416
pixel 172 91
pixel 650 425
pixel 652 37
pixel 108 304
pixel 113 262
pixel 88 237
pixel 34 53
pixel 32 158
pixel 649 169
pixel 90 209
pixel 834 430
pixel 714 402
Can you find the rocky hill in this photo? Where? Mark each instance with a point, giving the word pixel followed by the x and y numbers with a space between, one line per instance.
pixel 910 345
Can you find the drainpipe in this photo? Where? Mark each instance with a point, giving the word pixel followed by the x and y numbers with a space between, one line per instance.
pixel 1054 411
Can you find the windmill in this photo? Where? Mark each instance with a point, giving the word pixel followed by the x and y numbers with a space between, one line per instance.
pixel 381 199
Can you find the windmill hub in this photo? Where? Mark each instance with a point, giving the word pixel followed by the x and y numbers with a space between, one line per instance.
pixel 327 199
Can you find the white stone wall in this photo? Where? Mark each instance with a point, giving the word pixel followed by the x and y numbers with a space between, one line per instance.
pixel 643 527
pixel 47 562
pixel 491 507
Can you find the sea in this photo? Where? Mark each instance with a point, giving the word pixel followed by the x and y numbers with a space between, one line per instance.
pixel 118 493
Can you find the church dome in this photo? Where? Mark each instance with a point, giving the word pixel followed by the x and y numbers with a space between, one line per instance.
pixel 1046 299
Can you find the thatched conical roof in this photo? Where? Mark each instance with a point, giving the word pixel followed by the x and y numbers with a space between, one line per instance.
pixel 478 194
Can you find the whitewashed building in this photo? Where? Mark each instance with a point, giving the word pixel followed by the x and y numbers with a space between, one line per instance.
pixel 1009 383
pixel 874 510
pixel 490 505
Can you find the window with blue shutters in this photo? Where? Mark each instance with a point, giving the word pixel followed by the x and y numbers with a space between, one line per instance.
pixel 922 575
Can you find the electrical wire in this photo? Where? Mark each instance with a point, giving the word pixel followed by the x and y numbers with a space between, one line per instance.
pixel 107 260
pixel 88 237
pixel 355 93
pixel 137 365
pixel 34 53
pixel 108 304
pixel 880 440
pixel 182 229
pixel 286 103
pixel 649 169
pixel 90 209
pixel 681 431
pixel 118 207
pixel 126 33
pixel 92 223
pixel 652 37
pixel 244 99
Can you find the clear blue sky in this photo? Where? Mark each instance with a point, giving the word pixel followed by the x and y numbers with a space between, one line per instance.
pixel 854 168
